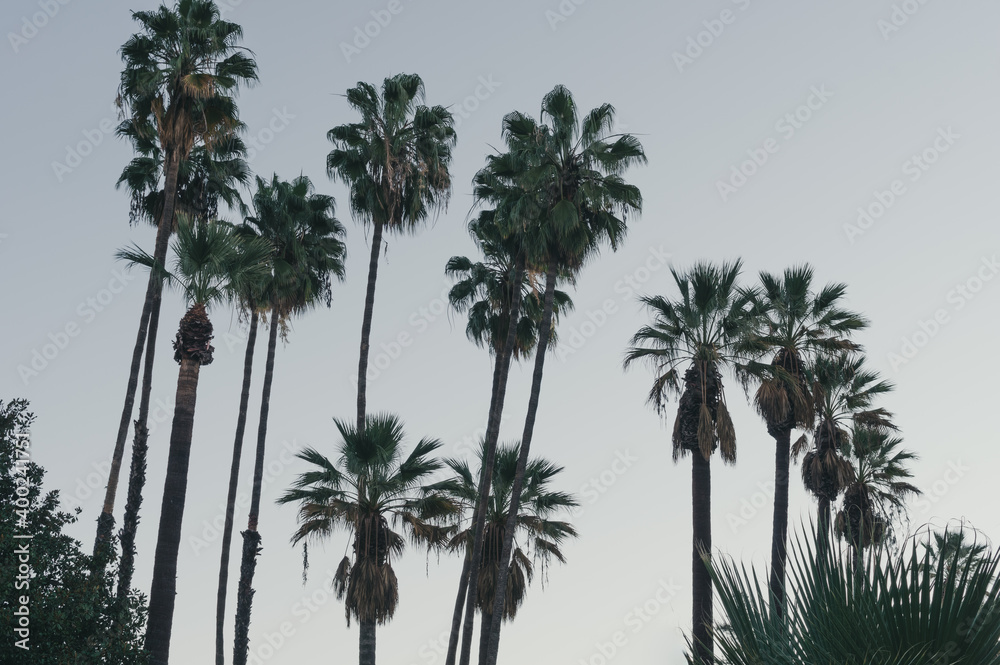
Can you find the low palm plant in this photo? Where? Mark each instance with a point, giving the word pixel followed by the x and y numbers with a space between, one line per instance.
pixel 369 491
pixel 540 534
pixel 902 609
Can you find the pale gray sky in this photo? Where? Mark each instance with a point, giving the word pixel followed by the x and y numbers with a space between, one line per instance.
pixel 869 105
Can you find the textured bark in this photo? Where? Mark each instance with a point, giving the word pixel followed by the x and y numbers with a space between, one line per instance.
pixel 544 333
pixel 163 589
pixel 234 476
pixel 366 324
pixel 701 580
pixel 147 330
pixel 484 637
pixel 248 565
pixel 823 527
pixel 779 522
pixel 130 522
pixel 502 371
pixel 456 619
pixel 366 643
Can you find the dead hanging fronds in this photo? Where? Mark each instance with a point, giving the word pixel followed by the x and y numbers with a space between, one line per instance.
pixel 771 401
pixel 726 432
pixel 676 438
pixel 706 433
pixel 800 446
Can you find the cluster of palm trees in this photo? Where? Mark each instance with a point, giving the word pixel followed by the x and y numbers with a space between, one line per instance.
pixel 791 343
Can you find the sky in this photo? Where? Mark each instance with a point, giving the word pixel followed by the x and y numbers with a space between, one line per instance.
pixel 859 137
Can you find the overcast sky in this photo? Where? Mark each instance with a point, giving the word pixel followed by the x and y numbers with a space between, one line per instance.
pixel 877 107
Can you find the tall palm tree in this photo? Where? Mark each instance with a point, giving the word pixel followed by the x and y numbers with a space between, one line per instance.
pixel 542 534
pixel 182 71
pixel 574 174
pixel 484 291
pixel 209 176
pixel 844 391
pixel 395 160
pixel 213 264
pixel 370 486
pixel 797 323
pixel 690 343
pixel 307 251
pixel 876 494
pixel 955 548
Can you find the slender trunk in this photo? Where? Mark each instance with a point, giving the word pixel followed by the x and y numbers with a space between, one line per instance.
pixel 490 453
pixel 234 476
pixel 823 527
pixel 251 538
pixel 544 332
pixel 779 524
pixel 701 579
pixel 366 324
pixel 147 330
pixel 163 589
pixel 366 644
pixel 456 619
pixel 130 522
pixel 484 637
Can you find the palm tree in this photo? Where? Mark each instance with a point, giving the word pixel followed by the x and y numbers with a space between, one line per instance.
pixel 844 391
pixel 484 291
pixel 395 160
pixel 181 73
pixel 955 548
pixel 573 179
pixel 543 535
pixel 209 176
pixel 876 494
pixel 797 323
pixel 307 250
pixel 705 332
pixel 213 264
pixel 371 484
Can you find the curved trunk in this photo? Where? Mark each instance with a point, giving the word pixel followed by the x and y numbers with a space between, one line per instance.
pixel 544 332
pixel 163 589
pixel 147 330
pixel 234 476
pixel 779 523
pixel 456 619
pixel 701 580
pixel 366 643
pixel 130 522
pixel 484 637
pixel 366 324
pixel 251 538
pixel 502 371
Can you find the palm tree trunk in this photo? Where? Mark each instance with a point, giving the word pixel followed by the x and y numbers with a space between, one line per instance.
pixel 147 331
pixel 234 476
pixel 544 332
pixel 456 619
pixel 366 324
pixel 701 580
pixel 366 644
pixel 130 522
pixel 484 637
pixel 779 523
pixel 490 452
pixel 823 526
pixel 163 589
pixel 251 537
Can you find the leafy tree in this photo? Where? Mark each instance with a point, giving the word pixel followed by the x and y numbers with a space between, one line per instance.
pixel 371 484
pixel 691 341
pixel 395 160
pixel 73 615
